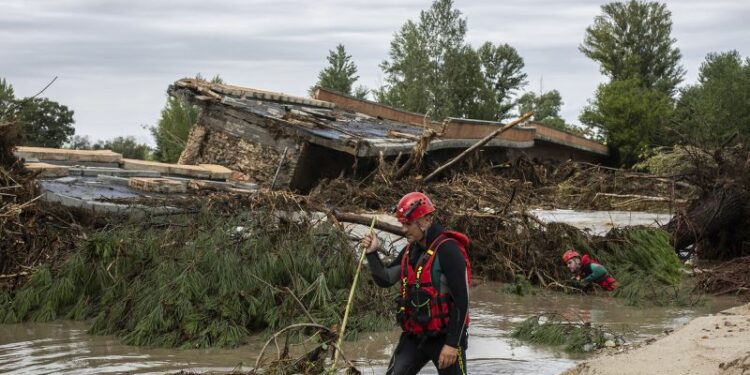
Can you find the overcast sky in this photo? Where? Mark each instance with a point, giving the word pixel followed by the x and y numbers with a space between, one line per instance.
pixel 115 59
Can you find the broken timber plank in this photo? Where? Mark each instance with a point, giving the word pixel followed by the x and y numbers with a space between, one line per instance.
pixel 218 172
pixel 59 154
pixel 397 134
pixel 48 170
pixel 157 185
pixel 212 171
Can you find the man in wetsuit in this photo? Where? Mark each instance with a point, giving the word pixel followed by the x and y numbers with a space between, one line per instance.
pixel 588 271
pixel 434 274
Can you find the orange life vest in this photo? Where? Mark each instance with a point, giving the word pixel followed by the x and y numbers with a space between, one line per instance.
pixel 424 308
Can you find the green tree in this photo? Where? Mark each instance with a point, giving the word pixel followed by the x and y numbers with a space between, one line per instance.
pixel 718 105
pixel 408 73
pixel 361 92
pixel 503 71
pixel 173 129
pixel 630 117
pixel 79 142
pixel 127 146
pixel 171 133
pixel 6 96
pixel 433 70
pixel 44 123
pixel 546 107
pixel 340 74
pixel 632 40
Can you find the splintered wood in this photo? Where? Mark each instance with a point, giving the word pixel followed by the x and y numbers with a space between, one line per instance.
pixel 158 185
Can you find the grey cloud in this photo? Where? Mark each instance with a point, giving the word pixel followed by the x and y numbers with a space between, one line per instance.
pixel 116 58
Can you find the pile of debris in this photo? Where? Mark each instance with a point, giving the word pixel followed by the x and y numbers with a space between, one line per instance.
pixel 727 278
pixel 33 233
pixel 714 224
pixel 492 208
pixel 228 275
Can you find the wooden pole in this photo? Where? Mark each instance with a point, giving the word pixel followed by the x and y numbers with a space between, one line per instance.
pixel 349 302
pixel 477 145
pixel 278 169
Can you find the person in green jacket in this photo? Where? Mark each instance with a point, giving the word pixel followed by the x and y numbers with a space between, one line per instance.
pixel 588 271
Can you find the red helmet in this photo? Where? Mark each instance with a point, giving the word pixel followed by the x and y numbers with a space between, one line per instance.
pixel 570 254
pixel 413 206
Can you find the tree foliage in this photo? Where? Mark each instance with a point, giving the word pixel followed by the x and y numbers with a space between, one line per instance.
pixel 6 96
pixel 177 117
pixel 546 108
pixel 503 71
pixel 631 118
pixel 172 132
pixel 718 105
pixel 433 70
pixel 44 123
pixel 632 40
pixel 127 146
pixel 340 74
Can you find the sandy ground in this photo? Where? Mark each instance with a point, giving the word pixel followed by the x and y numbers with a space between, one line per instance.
pixel 716 344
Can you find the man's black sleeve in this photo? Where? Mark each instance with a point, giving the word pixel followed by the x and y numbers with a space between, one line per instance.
pixel 384 276
pixel 453 266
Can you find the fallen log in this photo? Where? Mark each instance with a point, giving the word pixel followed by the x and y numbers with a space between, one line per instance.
pixel 366 220
pixel 477 145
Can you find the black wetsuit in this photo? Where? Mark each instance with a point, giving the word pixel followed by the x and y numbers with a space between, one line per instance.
pixel 413 352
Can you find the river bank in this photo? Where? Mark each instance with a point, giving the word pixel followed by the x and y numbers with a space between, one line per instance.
pixel 714 344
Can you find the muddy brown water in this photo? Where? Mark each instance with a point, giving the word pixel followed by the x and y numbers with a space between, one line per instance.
pixel 64 347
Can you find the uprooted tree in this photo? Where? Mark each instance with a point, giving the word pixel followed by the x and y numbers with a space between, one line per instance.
pixel 714 225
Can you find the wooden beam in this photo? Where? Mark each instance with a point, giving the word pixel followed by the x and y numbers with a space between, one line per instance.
pixel 397 134
pixel 367 220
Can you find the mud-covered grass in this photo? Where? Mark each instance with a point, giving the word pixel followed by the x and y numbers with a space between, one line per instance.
pixel 203 280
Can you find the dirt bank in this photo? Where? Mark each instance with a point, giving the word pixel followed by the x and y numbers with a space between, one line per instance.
pixel 715 344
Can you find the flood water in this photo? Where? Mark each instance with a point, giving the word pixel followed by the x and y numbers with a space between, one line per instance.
pixel 65 348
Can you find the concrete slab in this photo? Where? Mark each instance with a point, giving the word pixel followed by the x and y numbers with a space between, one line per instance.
pixel 48 170
pixel 113 180
pixel 87 188
pixel 106 207
pixel 44 153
